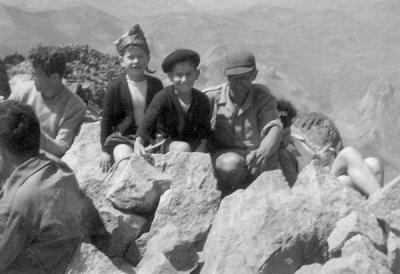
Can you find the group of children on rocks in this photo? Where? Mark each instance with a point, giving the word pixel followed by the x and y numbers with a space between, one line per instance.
pixel 142 116
pixel 239 123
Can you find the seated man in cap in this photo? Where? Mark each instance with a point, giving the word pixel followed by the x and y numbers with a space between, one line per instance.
pixel 245 124
pixel 178 113
pixel 39 202
pixel 59 110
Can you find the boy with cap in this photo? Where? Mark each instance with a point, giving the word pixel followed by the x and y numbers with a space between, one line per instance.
pixel 127 98
pixel 179 113
pixel 246 129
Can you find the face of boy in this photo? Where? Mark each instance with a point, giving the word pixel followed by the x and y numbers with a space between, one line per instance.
pixel 183 76
pixel 135 60
pixel 242 83
pixel 43 82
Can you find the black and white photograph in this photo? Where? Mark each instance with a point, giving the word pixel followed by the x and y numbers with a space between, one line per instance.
pixel 199 137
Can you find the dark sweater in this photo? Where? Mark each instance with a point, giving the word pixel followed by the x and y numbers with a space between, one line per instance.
pixel 118 115
pixel 165 111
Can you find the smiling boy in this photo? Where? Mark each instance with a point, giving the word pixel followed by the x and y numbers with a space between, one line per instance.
pixel 179 113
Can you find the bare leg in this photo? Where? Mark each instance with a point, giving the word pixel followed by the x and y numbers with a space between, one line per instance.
pixel 121 151
pixel 345 179
pixel 179 146
pixel 376 167
pixel 350 162
pixel 231 171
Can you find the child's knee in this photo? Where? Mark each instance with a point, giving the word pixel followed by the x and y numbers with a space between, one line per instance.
pixel 374 164
pixel 122 150
pixel 229 162
pixel 350 152
pixel 179 146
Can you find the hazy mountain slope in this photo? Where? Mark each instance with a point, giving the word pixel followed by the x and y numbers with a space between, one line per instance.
pixel 123 9
pixel 79 25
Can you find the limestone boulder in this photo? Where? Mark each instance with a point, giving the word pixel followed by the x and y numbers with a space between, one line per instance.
pixel 357 263
pixel 385 203
pixel 357 222
pixel 393 252
pixel 362 244
pixel 138 187
pixel 267 228
pixel 166 252
pixel 84 155
pixel 88 259
pixel 109 229
pixel 310 269
pixel 120 231
pixel 192 200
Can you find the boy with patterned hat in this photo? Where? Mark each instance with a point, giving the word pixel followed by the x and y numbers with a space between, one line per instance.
pixel 127 98
pixel 178 113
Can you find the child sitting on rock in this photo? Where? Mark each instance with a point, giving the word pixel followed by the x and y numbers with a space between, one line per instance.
pixel 127 98
pixel 179 113
pixel 286 152
pixel 315 137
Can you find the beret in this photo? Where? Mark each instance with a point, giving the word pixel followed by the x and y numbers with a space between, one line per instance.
pixel 239 63
pixel 178 56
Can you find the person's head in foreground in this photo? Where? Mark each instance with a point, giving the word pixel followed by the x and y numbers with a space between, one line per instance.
pixel 287 112
pixel 40 203
pixel 4 85
pixel 134 52
pixel 19 135
pixel 48 68
pixel 181 66
pixel 240 71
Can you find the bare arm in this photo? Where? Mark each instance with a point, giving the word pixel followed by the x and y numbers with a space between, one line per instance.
pixel 257 158
pixel 65 135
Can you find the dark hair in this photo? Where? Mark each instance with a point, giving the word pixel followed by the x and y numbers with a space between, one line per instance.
pixel 19 128
pixel 49 59
pixel 4 85
pixel 287 112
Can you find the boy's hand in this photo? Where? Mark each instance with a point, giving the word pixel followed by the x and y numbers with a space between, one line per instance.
pixel 139 148
pixel 105 161
pixel 255 160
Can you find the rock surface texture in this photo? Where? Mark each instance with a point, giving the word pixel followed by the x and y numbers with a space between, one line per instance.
pixel 164 214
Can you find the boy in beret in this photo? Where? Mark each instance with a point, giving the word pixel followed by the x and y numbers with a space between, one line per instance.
pixel 179 113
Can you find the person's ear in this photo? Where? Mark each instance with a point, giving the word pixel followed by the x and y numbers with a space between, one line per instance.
pixel 170 76
pixel 197 73
pixel 254 76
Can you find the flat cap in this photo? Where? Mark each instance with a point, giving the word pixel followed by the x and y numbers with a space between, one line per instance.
pixel 178 56
pixel 239 62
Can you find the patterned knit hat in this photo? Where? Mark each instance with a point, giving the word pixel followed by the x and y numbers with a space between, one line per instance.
pixel 134 37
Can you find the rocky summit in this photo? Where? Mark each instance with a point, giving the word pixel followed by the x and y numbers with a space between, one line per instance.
pixel 164 214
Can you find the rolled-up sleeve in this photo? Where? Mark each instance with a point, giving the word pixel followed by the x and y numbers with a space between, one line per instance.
pixel 268 114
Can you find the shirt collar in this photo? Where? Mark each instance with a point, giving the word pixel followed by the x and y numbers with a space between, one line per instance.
pixel 223 99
